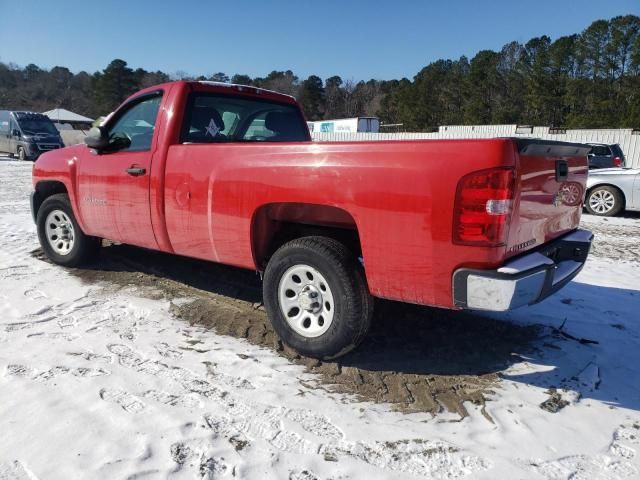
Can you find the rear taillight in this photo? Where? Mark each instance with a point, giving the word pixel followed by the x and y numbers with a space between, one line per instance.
pixel 617 162
pixel 483 208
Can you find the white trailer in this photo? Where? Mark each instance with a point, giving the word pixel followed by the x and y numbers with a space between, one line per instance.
pixel 346 125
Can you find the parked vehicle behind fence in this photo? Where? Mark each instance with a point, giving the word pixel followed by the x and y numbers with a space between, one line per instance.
pixel 27 134
pixel 604 155
pixel 229 173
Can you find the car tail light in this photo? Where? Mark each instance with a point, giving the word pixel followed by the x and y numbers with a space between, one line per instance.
pixel 483 207
pixel 617 162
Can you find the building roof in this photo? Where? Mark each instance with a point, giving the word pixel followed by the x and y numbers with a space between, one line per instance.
pixel 63 115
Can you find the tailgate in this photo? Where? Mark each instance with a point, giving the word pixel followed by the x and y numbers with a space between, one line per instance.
pixel 550 184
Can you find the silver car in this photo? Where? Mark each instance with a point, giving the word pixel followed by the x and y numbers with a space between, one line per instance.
pixel 611 190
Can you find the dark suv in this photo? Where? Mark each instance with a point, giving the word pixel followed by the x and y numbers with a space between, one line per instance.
pixel 602 155
pixel 27 134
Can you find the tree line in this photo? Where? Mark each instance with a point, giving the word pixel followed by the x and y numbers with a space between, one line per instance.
pixel 585 80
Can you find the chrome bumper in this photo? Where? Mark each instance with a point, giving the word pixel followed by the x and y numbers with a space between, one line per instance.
pixel 525 280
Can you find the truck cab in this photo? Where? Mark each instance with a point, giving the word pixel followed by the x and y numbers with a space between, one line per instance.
pixel 27 134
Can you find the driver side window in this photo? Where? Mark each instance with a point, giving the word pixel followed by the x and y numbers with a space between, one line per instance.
pixel 136 125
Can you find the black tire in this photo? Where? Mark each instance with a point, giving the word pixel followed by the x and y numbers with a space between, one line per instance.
pixel 22 156
pixel 84 248
pixel 603 210
pixel 353 304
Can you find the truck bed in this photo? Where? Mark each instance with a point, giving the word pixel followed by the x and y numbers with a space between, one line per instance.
pixel 399 195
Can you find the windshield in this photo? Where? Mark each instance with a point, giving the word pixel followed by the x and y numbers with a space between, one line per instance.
pixel 35 126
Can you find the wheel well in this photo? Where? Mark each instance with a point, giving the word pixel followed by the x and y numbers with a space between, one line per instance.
pixel 44 190
pixel 275 224
pixel 624 200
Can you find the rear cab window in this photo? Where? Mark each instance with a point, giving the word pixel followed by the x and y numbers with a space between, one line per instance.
pixel 218 118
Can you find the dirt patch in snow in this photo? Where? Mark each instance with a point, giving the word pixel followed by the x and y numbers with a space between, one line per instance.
pixel 415 358
pixel 555 402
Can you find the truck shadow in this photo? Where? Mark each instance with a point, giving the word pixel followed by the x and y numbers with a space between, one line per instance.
pixel 404 338
pixel 415 358
pixel 590 344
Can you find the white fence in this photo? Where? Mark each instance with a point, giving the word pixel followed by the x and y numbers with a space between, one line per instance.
pixel 628 139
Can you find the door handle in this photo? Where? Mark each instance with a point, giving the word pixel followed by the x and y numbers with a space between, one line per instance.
pixel 136 171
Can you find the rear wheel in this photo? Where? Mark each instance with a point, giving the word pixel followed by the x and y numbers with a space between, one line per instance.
pixel 60 236
pixel 604 201
pixel 316 296
pixel 21 154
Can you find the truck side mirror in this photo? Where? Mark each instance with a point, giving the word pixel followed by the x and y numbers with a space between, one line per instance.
pixel 16 133
pixel 97 138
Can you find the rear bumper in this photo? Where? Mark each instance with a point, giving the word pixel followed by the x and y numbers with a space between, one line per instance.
pixel 525 280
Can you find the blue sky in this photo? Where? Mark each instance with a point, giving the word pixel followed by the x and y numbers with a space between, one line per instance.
pixel 353 39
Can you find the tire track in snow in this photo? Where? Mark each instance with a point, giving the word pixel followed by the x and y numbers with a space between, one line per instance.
pixel 17 370
pixel 251 423
pixel 613 239
pixel 15 470
pixel 129 403
pixel 615 466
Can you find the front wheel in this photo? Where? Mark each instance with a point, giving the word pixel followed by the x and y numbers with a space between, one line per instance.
pixel 60 236
pixel 604 201
pixel 316 296
pixel 22 156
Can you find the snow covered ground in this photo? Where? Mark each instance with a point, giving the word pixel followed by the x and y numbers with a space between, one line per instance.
pixel 105 383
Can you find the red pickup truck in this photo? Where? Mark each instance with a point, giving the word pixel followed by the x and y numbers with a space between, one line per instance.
pixel 229 173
